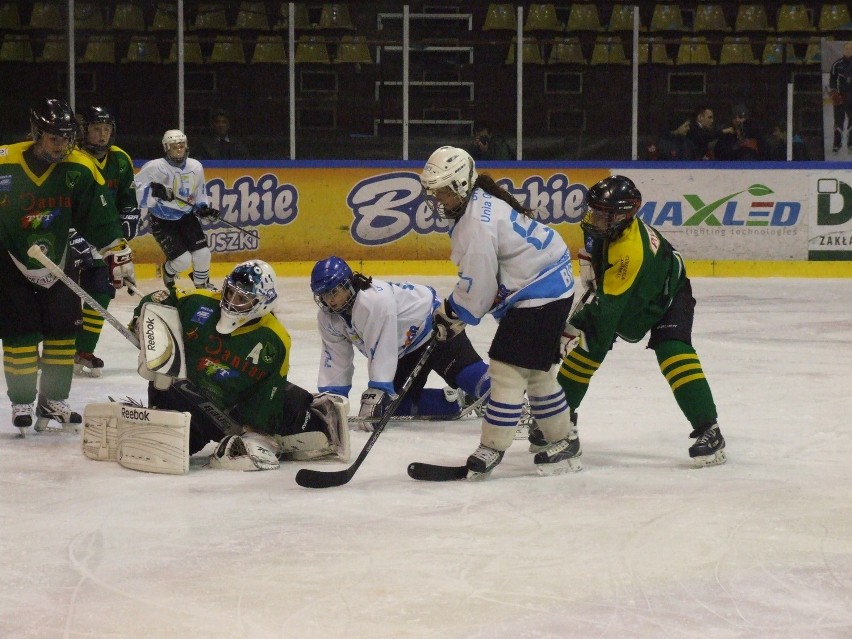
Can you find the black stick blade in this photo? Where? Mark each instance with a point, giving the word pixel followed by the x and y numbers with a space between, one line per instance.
pixel 309 478
pixel 433 472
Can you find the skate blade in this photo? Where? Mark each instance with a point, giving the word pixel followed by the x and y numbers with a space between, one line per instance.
pixel 573 465
pixel 84 371
pixel 522 434
pixel 535 448
pixel 717 459
pixel 46 426
pixel 474 476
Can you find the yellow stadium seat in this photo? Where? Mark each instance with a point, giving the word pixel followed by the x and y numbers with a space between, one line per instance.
pixel 55 49
pixel 353 49
pixel 99 49
pixel 813 54
pixel 88 15
pixel 583 17
pixel 531 51
pixel 16 47
pixel 312 49
pixel 694 50
pixel 778 50
pixel 251 16
pixel 128 16
pixel 667 17
pixel 335 16
pixel 566 50
pixel 210 17
pixel 542 17
pixel 609 50
pixel 621 18
pixel 165 17
pixel 269 49
pixel 793 17
pixel 191 51
pixel 833 17
pixel 654 50
pixel 501 16
pixel 227 49
pixel 751 17
pixel 737 50
pixel 300 16
pixel 10 17
pixel 709 17
pixel 46 15
pixel 143 49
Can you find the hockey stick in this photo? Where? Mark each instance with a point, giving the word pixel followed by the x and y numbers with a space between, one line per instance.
pixel 310 478
pixel 184 386
pixel 219 219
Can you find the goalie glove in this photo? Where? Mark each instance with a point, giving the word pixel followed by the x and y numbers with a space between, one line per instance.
pixel 161 192
pixel 374 403
pixel 205 212
pixel 129 221
pixel 446 323
pixel 119 259
pixel 249 451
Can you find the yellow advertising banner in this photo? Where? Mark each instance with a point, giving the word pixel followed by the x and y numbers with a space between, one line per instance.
pixel 370 213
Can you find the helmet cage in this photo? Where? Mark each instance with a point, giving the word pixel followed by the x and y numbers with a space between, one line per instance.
pixel 325 299
pixel 248 293
pixel 329 279
pixel 96 115
pixel 611 206
pixel 172 138
pixel 53 117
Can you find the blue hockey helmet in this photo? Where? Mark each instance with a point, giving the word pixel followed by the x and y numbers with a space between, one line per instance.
pixel 332 285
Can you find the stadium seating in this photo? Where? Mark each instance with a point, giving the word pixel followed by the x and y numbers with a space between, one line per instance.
pixel 251 16
pixel 542 17
pixel 694 50
pixel 737 50
pixel 16 47
pixel 583 17
pixel 128 16
pixel 709 17
pixel 793 17
pixel 531 51
pixel 751 17
pixel 269 49
pixel 608 49
pixel 227 49
pixel 567 50
pixel 501 16
pixel 143 48
pixel 353 49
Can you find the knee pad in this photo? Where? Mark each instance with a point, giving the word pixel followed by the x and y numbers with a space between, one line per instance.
pixel 181 263
pixel 548 405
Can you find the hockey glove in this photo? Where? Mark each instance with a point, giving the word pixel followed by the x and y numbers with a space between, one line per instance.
pixel 374 403
pixel 81 252
pixel 587 273
pixel 119 259
pixel 206 212
pixel 446 323
pixel 572 337
pixel 129 222
pixel 162 192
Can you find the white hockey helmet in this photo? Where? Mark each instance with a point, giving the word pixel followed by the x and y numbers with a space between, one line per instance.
pixel 247 294
pixel 453 169
pixel 175 146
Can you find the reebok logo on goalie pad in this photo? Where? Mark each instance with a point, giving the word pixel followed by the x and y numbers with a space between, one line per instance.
pixel 135 413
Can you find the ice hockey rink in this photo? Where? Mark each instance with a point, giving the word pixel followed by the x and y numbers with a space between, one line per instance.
pixel 637 545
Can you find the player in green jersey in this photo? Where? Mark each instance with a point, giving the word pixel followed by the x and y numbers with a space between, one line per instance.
pixel 237 354
pixel 97 137
pixel 46 188
pixel 641 287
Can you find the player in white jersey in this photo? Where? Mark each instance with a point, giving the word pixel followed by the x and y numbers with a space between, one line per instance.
pixel 389 323
pixel 174 191
pixel 519 271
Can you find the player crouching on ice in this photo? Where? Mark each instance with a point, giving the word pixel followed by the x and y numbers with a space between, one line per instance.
pixel 237 356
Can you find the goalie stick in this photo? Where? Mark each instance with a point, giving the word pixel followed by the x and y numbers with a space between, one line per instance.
pixel 185 387
pixel 310 478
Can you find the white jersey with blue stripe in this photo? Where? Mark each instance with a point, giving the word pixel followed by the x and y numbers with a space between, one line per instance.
pixel 187 181
pixel 505 259
pixel 387 320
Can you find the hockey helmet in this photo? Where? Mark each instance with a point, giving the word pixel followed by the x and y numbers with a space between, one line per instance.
pixel 448 180
pixel 611 206
pixel 52 117
pixel 96 115
pixel 175 146
pixel 332 285
pixel 247 294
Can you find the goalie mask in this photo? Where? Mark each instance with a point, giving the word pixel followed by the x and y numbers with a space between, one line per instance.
pixel 53 128
pixel 611 206
pixel 97 130
pixel 333 286
pixel 247 294
pixel 175 146
pixel 448 180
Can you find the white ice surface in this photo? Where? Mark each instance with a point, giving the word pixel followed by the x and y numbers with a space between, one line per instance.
pixel 637 545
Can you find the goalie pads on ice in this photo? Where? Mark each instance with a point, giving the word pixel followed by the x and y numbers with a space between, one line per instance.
pixel 249 451
pixel 146 439
pixel 161 354
pixel 333 411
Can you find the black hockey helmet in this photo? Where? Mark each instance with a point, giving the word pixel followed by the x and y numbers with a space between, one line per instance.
pixel 55 117
pixel 95 115
pixel 611 206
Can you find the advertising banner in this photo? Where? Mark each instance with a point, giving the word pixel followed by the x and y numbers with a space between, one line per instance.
pixel 831 216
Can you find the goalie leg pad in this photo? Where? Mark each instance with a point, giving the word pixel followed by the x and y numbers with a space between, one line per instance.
pixel 249 451
pixel 100 432
pixel 153 441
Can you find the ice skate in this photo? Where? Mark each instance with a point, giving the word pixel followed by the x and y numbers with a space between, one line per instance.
pixel 536 438
pixel 207 286
pixel 168 280
pixel 469 405
pixel 709 446
pixel 22 417
pixel 560 457
pixel 87 365
pixel 59 411
pixel 482 462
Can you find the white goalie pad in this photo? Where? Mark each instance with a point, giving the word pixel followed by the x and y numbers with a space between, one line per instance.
pixel 249 451
pixel 334 441
pixel 161 354
pixel 144 439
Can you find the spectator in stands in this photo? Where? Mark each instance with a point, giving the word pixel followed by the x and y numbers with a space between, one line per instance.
pixel 744 140
pixel 671 145
pixel 219 145
pixel 840 91
pixel 489 146
pixel 701 134
pixel 777 144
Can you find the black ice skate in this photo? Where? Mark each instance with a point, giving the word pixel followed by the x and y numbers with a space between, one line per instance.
pixel 59 411
pixel 709 446
pixel 560 457
pixel 536 438
pixel 482 462
pixel 86 364
pixel 22 417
